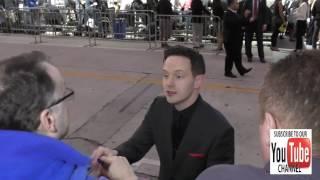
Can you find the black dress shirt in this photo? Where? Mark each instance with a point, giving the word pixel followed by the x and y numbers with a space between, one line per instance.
pixel 180 123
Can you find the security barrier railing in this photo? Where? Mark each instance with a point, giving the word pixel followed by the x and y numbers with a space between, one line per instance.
pixel 20 21
pixel 182 30
pixel 125 25
pixel 95 24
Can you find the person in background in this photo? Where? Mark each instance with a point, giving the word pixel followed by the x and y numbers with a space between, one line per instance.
pixel 316 16
pixel 198 10
pixel 257 25
pixel 289 99
pixel 164 9
pixel 240 12
pixel 232 26
pixel 301 14
pixel 277 20
pixel 218 10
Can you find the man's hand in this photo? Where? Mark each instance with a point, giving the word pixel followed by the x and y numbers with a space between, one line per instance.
pixel 118 168
pixel 99 152
pixel 264 28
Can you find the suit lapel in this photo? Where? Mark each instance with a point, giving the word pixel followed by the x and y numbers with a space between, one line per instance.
pixel 188 139
pixel 166 133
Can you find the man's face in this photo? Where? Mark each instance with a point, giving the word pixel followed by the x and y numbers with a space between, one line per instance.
pixel 235 5
pixel 179 84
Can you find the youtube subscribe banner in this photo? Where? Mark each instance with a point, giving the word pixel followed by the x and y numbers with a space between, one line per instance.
pixel 290 151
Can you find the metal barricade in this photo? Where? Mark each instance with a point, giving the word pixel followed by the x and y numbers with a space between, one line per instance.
pixel 59 22
pixel 66 23
pixel 90 23
pixel 125 25
pixel 23 20
pixel 180 28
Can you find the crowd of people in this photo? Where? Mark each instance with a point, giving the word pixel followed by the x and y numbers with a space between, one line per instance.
pixel 193 139
pixel 292 15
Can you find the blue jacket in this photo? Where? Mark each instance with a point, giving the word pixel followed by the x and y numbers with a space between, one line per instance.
pixel 25 155
pixel 32 3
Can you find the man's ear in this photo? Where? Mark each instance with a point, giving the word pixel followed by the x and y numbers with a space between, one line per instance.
pixel 199 80
pixel 269 122
pixel 47 122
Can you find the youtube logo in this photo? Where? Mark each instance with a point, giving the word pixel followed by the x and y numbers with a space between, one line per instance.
pixel 290 151
pixel 299 152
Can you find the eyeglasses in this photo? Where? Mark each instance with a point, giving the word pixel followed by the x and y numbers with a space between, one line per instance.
pixel 69 92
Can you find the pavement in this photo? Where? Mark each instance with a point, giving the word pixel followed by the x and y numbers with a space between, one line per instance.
pixel 115 82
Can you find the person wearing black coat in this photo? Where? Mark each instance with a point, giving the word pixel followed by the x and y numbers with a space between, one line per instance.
pixel 218 10
pixel 189 134
pixel 198 10
pixel 232 26
pixel 257 25
pixel 316 15
pixel 164 10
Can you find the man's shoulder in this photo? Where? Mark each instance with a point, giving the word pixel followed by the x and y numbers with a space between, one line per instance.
pixel 211 114
pixel 228 172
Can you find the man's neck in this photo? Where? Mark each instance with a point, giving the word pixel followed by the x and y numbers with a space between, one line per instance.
pixel 189 102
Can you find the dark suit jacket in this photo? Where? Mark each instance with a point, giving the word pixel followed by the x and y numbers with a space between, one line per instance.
pixel 164 7
pixel 245 172
pixel 262 13
pixel 316 10
pixel 208 140
pixel 232 25
pixel 197 9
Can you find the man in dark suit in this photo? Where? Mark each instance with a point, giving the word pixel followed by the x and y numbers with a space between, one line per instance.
pixel 288 100
pixel 316 16
pixel 188 133
pixel 198 9
pixel 257 24
pixel 164 11
pixel 232 26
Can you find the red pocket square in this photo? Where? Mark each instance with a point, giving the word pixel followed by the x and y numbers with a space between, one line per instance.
pixel 196 155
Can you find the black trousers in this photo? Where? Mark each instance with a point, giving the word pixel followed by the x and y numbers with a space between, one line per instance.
pixel 315 33
pixel 257 29
pixel 275 33
pixel 233 51
pixel 301 30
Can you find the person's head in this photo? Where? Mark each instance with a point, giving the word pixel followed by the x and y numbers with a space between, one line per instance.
pixel 183 75
pixel 290 98
pixel 32 92
pixel 233 4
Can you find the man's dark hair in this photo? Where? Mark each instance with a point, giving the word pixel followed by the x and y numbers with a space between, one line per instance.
pixel 196 59
pixel 291 93
pixel 26 89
